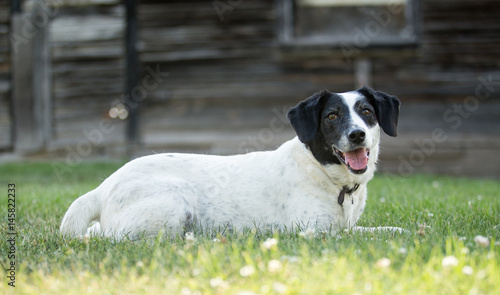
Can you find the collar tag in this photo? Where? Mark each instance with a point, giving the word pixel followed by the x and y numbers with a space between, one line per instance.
pixel 345 190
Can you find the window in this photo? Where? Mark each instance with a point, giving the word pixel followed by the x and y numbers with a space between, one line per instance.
pixel 358 23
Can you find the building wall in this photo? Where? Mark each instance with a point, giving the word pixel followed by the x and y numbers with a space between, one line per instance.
pixel 219 80
pixel 88 65
pixel 230 79
pixel 5 82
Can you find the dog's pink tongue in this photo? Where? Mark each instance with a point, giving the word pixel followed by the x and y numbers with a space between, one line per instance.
pixel 356 159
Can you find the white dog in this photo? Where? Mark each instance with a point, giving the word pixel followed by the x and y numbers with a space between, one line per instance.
pixel 317 179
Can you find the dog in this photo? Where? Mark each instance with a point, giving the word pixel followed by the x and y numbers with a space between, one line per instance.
pixel 318 179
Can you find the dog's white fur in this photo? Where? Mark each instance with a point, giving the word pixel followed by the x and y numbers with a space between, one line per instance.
pixel 286 187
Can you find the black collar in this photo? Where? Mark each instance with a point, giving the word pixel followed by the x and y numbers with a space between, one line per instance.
pixel 345 190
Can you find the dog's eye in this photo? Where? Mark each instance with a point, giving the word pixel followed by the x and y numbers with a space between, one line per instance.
pixel 367 112
pixel 332 116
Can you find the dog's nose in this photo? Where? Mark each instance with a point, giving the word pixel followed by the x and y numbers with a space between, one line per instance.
pixel 357 136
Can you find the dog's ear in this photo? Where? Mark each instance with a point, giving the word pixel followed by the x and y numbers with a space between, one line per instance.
pixel 305 117
pixel 386 109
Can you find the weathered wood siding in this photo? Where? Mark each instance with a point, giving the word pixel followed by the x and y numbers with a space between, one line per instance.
pixel 461 33
pixel 88 74
pixel 230 80
pixel 5 80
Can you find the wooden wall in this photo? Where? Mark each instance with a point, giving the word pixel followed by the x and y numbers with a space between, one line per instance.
pixel 237 63
pixel 5 81
pixel 221 82
pixel 223 77
pixel 88 73
pixel 461 33
pixel 230 80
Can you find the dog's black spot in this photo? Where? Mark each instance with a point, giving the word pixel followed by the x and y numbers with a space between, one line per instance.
pixel 386 109
pixel 370 118
pixel 311 122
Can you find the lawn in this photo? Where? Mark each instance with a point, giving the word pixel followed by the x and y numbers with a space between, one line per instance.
pixel 439 255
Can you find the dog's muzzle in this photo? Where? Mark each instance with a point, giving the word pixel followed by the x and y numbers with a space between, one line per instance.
pixel 356 160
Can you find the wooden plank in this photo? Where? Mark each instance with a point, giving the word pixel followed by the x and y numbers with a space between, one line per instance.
pixel 88 71
pixel 31 87
pixel 362 73
pixel 26 138
pixel 460 155
pixel 42 82
pixel 5 80
pixel 132 73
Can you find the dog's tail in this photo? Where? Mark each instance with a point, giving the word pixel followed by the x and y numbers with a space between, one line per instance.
pixel 80 214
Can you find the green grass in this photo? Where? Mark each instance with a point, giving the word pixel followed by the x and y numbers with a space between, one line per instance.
pixel 453 210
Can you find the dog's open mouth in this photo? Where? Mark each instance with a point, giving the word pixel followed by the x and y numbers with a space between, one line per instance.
pixel 355 160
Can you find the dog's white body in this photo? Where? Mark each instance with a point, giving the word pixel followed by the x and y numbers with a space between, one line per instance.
pixel 286 187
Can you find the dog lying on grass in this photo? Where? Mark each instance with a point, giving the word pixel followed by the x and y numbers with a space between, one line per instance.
pixel 317 179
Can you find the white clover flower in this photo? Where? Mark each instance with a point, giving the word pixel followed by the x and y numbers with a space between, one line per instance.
pixel 269 243
pixel 215 282
pixel 218 282
pixel 482 241
pixel 290 258
pixel 449 261
pixel 279 287
pixel 215 240
pixel 196 272
pixel 190 239
pixel 308 233
pixel 402 250
pixel 274 265
pixel 139 264
pixel 189 236
pixel 467 270
pixel 383 263
pixel 247 270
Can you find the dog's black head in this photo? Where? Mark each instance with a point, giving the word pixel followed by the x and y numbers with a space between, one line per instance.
pixel 342 128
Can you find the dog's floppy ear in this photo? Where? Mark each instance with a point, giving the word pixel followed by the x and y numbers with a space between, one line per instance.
pixel 305 117
pixel 386 109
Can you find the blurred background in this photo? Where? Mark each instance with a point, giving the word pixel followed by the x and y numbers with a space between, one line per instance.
pixel 111 79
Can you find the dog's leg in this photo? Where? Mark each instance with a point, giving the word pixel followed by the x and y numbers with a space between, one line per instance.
pixel 170 208
pixel 94 230
pixel 170 215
